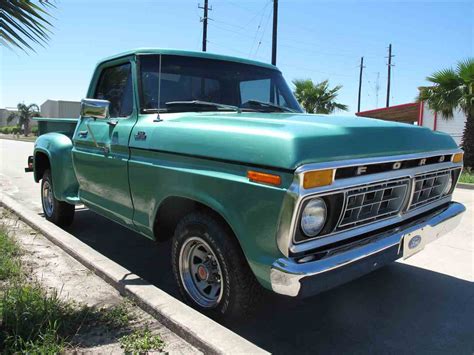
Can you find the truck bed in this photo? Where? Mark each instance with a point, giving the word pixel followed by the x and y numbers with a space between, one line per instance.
pixel 61 125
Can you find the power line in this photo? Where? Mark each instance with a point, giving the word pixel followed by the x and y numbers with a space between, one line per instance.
pixel 226 47
pixel 263 34
pixel 240 28
pixel 258 28
pixel 377 90
pixel 306 69
pixel 282 41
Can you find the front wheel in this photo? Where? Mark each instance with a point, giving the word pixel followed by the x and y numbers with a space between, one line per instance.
pixel 58 212
pixel 210 268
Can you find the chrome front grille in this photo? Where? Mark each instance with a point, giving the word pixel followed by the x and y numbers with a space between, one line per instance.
pixel 429 187
pixel 373 202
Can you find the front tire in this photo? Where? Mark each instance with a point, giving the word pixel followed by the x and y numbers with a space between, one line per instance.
pixel 58 212
pixel 210 269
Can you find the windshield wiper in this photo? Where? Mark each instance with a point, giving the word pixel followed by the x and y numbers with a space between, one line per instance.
pixel 154 110
pixel 268 105
pixel 186 105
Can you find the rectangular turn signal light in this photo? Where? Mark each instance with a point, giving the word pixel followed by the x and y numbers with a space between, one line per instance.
pixel 318 178
pixel 457 158
pixel 264 178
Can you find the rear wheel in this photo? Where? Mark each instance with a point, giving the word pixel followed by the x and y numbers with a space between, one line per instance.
pixel 210 269
pixel 58 212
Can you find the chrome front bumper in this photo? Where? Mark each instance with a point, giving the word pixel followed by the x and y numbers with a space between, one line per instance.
pixel 291 277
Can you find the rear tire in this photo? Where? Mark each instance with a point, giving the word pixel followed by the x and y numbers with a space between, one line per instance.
pixel 58 212
pixel 210 269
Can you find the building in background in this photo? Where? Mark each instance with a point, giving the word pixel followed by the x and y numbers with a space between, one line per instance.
pixel 4 113
pixel 406 113
pixel 421 115
pixel 60 109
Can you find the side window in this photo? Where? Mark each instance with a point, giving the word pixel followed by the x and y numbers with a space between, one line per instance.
pixel 115 85
pixel 281 100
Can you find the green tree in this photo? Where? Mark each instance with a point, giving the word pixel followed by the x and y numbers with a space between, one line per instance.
pixel 453 89
pixel 25 114
pixel 24 23
pixel 318 98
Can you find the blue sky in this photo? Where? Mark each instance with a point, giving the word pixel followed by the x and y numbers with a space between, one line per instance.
pixel 317 39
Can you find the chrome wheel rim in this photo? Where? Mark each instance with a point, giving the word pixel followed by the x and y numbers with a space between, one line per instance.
pixel 200 272
pixel 47 198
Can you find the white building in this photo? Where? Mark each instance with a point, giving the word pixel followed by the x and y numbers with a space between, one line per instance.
pixel 49 108
pixel 421 115
pixel 60 109
pixel 436 121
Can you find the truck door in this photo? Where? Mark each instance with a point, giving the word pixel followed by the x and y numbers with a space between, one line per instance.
pixel 101 152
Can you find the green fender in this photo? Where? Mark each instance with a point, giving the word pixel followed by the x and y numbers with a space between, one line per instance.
pixel 57 147
pixel 255 228
pixel 251 210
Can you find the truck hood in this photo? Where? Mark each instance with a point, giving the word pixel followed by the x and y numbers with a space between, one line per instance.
pixel 287 140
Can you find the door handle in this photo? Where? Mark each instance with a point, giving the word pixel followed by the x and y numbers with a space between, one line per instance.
pixel 105 149
pixel 83 134
pixel 112 123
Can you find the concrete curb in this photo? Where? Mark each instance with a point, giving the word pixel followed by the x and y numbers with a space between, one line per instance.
pixel 462 185
pixel 200 331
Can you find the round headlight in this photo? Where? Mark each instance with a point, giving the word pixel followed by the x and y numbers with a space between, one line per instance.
pixel 449 184
pixel 313 217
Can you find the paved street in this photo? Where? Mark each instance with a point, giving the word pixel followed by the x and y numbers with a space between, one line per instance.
pixel 424 305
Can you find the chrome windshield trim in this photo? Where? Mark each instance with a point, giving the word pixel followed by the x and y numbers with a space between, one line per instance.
pixel 296 195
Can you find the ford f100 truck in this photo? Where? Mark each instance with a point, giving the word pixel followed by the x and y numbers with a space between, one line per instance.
pixel 216 153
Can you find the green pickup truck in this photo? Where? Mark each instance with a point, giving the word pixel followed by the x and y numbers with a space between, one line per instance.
pixel 216 153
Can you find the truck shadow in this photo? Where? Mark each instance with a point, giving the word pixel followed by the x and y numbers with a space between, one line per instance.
pixel 398 309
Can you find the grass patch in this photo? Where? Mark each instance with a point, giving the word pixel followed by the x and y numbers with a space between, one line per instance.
pixel 467 176
pixel 34 321
pixel 141 341
pixel 9 257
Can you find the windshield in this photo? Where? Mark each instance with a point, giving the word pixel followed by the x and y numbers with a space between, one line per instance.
pixel 184 79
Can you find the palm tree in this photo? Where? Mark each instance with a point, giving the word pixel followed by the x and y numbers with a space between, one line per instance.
pixel 25 114
pixel 453 89
pixel 24 23
pixel 318 98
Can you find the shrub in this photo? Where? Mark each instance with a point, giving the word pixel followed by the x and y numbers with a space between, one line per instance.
pixel 9 129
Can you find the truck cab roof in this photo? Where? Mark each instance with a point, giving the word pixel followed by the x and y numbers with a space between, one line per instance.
pixel 157 51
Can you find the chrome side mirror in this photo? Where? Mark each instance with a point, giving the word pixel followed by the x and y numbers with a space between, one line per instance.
pixel 97 109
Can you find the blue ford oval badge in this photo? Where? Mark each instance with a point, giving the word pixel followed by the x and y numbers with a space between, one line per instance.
pixel 414 242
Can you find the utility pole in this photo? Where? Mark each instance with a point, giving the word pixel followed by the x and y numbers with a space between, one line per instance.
pixel 274 36
pixel 389 72
pixel 204 23
pixel 360 82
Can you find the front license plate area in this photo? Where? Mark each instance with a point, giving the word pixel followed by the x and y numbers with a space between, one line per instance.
pixel 413 243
